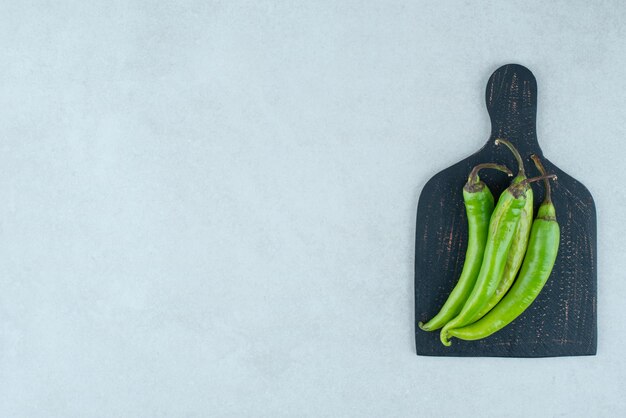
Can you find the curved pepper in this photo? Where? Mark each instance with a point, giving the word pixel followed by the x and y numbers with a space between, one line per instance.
pixel 520 239
pixel 502 228
pixel 478 206
pixel 538 263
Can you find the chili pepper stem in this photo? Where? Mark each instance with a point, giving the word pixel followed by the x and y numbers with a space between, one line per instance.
pixel 518 157
pixel 473 175
pixel 473 181
pixel 539 178
pixel 542 170
pixel 518 188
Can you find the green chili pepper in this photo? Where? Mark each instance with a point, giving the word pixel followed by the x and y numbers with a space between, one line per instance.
pixel 520 239
pixel 478 206
pixel 538 263
pixel 502 228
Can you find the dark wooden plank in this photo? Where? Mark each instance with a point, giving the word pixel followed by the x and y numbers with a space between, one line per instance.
pixel 562 320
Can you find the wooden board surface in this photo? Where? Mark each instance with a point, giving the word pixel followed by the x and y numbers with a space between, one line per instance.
pixel 562 320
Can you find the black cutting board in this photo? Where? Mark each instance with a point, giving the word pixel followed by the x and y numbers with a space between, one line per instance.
pixel 562 320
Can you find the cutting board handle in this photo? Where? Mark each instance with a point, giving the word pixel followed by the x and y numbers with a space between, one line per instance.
pixel 511 98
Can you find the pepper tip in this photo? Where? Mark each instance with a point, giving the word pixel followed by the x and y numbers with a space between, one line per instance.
pixel 444 337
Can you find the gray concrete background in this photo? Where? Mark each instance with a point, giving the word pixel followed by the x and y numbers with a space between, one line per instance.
pixel 208 207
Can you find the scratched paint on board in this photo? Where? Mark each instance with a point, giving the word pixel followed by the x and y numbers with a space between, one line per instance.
pixel 562 320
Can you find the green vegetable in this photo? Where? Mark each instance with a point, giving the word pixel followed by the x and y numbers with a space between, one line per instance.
pixel 478 206
pixel 502 227
pixel 538 263
pixel 520 239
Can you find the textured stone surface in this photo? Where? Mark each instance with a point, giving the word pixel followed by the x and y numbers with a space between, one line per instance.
pixel 208 207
